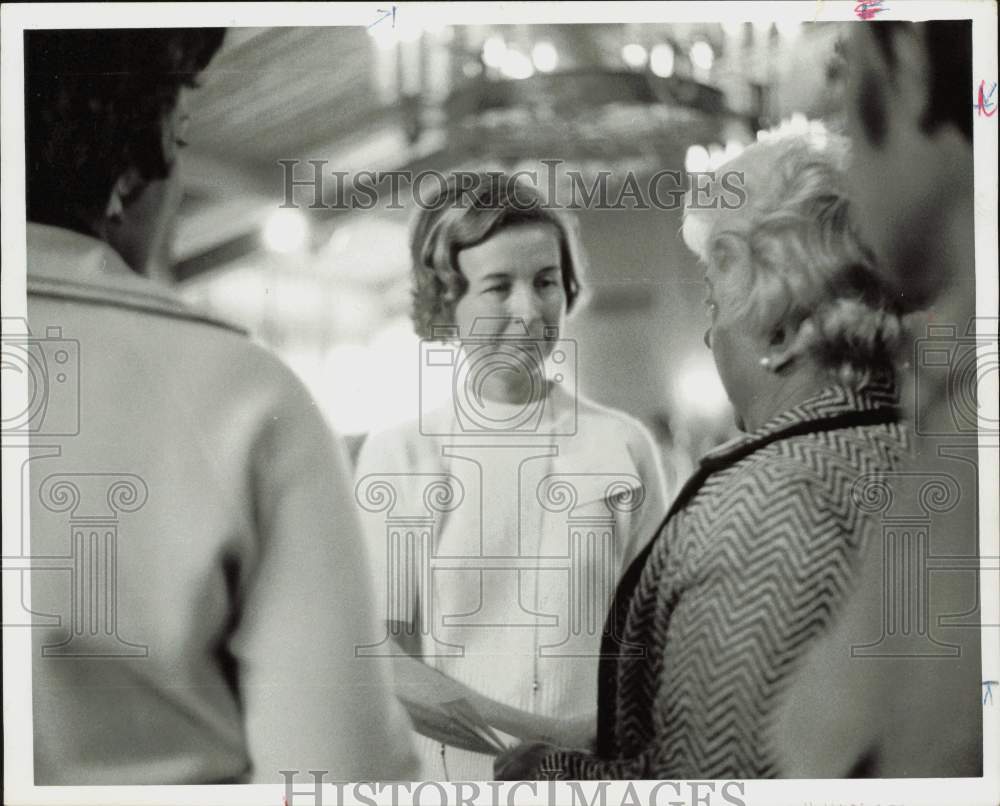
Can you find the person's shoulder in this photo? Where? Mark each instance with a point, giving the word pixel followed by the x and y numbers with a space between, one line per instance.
pixel 251 370
pixel 826 458
pixel 778 471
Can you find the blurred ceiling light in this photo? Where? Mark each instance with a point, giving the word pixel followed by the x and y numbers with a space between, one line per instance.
pixel 544 57
pixel 494 50
pixel 661 60
pixel 634 55
pixel 702 56
pixel 696 160
pixel 286 230
pixel 516 65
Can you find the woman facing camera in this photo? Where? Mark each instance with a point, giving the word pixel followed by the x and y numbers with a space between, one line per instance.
pixel 762 545
pixel 534 498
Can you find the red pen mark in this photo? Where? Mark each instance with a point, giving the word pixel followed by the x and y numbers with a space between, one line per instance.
pixel 867 9
pixel 985 105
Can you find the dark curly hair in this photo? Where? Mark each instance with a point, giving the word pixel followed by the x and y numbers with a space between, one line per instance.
pixel 95 106
pixel 460 217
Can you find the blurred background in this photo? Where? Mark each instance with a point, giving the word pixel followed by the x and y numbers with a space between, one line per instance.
pixel 328 290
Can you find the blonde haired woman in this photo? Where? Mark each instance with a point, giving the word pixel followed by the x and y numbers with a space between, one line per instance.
pixel 762 545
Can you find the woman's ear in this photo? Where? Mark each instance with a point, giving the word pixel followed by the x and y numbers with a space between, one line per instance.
pixel 788 342
pixel 123 192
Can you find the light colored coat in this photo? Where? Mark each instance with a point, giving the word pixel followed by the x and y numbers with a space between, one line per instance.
pixel 208 635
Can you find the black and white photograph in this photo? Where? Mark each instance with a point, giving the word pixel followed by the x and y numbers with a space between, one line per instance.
pixel 501 403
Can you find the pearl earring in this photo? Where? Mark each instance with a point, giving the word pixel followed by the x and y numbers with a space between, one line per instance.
pixel 765 362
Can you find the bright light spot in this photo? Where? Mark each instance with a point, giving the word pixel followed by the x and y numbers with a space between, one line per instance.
pixel 716 156
pixel 286 230
pixel 699 391
pixel 697 159
pixel 516 65
pixel 348 410
pixel 544 57
pixel 702 56
pixel 370 387
pixel 634 55
pixel 494 50
pixel 661 60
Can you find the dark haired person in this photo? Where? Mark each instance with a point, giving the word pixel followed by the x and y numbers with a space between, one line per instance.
pixel 208 634
pixel 542 515
pixel 896 689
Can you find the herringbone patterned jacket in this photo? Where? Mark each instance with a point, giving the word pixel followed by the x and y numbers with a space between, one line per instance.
pixel 752 562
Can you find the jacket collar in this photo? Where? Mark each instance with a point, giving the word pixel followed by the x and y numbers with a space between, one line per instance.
pixel 878 395
pixel 68 265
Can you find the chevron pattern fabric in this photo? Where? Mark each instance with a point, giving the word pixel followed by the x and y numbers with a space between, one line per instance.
pixel 747 571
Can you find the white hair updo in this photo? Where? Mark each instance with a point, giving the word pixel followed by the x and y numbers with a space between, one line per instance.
pixel 793 256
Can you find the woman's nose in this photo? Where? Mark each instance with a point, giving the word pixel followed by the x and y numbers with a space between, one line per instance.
pixel 522 304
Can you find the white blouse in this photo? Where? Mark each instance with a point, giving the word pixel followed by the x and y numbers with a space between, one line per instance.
pixel 505 548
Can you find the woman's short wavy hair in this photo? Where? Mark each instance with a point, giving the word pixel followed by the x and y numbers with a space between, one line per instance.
pixel 463 215
pixel 795 255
